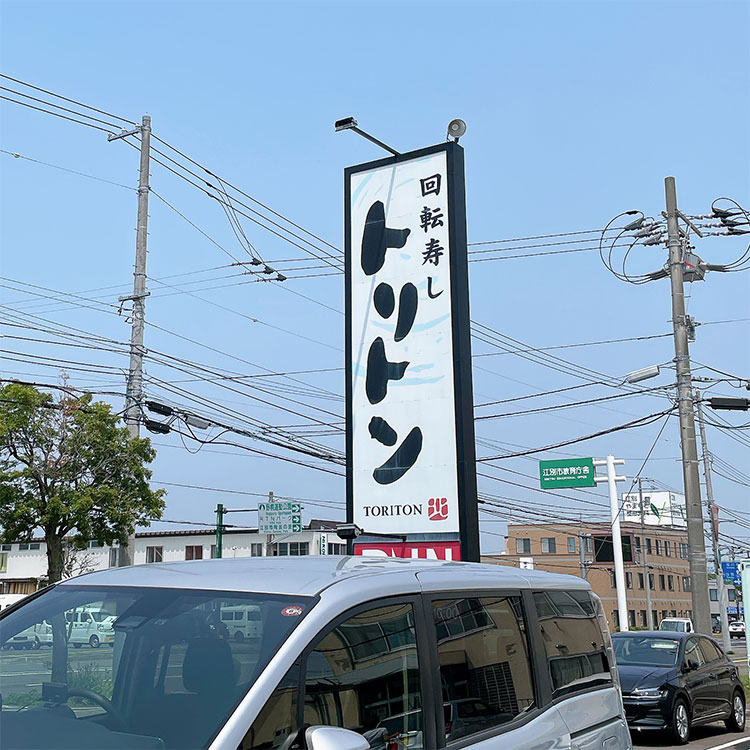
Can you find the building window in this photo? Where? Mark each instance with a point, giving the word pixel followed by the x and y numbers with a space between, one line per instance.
pixel 114 556
pixel 194 552
pixel 616 619
pixel 282 549
pixel 336 549
pixel 629 585
pixel 667 548
pixel 523 546
pixel 94 544
pixel 549 545
pixel 644 619
pixel 674 613
pixel 686 586
pixel 713 595
pixel 658 546
pixel 637 544
pixel 641 581
pixel 28 546
pixel 6 547
pixel 612 580
pixel 683 550
pixel 589 544
pixel 648 545
pixel 571 544
pixel 732 594
pixel 3 562
pixel 256 549
pixel 651 582
pixel 662 583
pixel 631 617
pixel 670 583
pixel 664 614
pixel 154 554
pixel 213 552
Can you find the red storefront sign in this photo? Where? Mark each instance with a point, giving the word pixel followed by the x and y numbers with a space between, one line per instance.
pixel 414 550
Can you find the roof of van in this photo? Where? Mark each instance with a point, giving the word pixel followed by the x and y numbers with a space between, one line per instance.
pixel 310 575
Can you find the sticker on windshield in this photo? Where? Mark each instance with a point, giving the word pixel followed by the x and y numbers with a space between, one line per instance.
pixel 293 611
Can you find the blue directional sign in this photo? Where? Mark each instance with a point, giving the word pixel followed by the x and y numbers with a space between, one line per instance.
pixel 731 571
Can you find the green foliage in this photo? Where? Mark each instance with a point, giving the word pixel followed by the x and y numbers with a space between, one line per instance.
pixel 68 468
pixel 91 677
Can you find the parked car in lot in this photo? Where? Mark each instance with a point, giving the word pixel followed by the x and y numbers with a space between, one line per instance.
pixel 675 681
pixel 434 653
pixel 737 629
pixel 40 634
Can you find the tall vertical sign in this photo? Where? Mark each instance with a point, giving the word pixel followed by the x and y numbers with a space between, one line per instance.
pixel 410 428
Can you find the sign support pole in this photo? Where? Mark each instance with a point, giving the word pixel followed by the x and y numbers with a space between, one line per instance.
pixel 612 479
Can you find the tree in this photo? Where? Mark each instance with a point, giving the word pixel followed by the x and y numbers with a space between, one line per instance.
pixel 68 468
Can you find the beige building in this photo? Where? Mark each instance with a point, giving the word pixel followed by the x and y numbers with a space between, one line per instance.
pixel 557 548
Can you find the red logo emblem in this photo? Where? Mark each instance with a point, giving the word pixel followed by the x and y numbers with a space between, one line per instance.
pixel 437 508
pixel 293 611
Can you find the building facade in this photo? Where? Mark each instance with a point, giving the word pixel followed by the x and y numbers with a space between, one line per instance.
pixel 586 549
pixel 23 566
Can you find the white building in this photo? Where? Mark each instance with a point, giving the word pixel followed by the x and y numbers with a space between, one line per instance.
pixel 23 566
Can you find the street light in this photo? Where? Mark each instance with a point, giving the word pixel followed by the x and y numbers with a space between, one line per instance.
pixel 349 123
pixel 643 374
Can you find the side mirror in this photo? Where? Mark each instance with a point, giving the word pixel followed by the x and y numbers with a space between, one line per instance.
pixel 690 665
pixel 334 738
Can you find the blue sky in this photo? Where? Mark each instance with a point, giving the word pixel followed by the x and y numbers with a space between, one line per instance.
pixel 575 112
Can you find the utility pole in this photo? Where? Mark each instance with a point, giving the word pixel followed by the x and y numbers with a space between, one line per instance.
pixel 134 385
pixel 612 479
pixel 219 528
pixel 696 544
pixel 714 524
pixel 644 558
pixel 582 537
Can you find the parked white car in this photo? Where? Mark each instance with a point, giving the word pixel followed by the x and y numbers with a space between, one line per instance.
pixel 38 635
pixel 90 627
pixel 737 629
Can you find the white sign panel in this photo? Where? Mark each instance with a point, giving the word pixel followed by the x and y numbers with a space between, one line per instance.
pixel 279 518
pixel 403 423
pixel 659 508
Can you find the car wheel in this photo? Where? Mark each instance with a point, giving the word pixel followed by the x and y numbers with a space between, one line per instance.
pixel 37 644
pixel 94 641
pixel 736 722
pixel 680 724
pixel 6 647
pixel 239 637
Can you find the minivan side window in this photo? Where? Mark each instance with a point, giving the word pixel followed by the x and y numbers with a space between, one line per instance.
pixel 485 671
pixel 573 641
pixel 362 675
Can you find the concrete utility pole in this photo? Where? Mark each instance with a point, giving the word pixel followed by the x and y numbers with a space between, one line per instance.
pixel 219 529
pixel 134 386
pixel 644 558
pixel 714 524
pixel 612 479
pixel 696 544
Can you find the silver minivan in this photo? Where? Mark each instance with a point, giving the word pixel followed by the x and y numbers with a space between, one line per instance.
pixel 352 653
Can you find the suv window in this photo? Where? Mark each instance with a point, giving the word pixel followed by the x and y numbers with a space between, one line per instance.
pixel 573 641
pixel 483 653
pixel 362 675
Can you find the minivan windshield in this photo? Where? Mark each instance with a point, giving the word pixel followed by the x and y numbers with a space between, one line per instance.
pixel 160 668
pixel 641 651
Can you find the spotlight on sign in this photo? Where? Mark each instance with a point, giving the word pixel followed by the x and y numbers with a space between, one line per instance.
pixel 456 128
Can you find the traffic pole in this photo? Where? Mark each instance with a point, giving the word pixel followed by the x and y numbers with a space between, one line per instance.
pixel 612 479
pixel 714 524
pixel 219 529
pixel 644 557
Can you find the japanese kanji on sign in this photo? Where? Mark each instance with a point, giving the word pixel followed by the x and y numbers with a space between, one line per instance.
pixel 567 472
pixel 410 435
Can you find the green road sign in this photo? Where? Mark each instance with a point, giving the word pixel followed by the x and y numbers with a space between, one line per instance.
pixel 567 472
pixel 279 518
